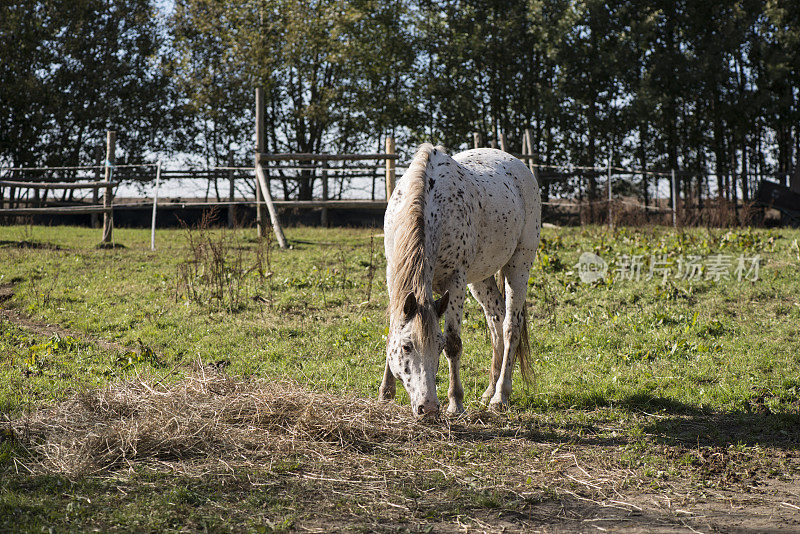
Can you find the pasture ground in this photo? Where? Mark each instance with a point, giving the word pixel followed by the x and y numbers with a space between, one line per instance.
pixel 658 407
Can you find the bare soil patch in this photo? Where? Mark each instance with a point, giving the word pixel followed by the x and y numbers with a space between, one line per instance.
pixel 348 463
pixel 6 292
pixel 22 320
pixel 27 244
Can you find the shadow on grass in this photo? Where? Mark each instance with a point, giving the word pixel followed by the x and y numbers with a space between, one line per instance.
pixel 663 420
pixel 677 422
pixel 779 431
pixel 592 400
pixel 4 243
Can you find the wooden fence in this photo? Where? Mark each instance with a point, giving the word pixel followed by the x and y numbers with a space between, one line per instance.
pixel 108 185
pixel 263 194
pixel 265 164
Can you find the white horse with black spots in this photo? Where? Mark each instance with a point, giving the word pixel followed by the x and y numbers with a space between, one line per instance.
pixel 452 223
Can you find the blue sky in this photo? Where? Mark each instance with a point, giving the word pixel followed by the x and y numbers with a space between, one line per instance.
pixel 166 6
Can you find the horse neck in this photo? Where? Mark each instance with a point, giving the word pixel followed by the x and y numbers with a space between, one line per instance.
pixel 413 262
pixel 414 254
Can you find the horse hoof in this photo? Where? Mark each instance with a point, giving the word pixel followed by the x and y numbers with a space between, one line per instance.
pixel 456 409
pixel 498 405
pixel 487 396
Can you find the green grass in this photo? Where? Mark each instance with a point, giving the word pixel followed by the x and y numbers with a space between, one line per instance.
pixel 638 355
pixel 704 345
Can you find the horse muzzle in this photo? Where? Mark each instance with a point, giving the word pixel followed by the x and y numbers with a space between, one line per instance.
pixel 427 410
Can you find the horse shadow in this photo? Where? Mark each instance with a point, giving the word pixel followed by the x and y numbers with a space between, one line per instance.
pixel 663 420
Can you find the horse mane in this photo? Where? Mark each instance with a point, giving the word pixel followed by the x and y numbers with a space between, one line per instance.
pixel 408 257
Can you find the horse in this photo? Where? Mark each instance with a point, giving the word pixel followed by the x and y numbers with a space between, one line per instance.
pixel 469 220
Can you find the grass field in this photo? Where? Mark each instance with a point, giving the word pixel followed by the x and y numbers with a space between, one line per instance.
pixel 659 405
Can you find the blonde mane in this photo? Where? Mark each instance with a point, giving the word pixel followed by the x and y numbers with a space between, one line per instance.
pixel 409 244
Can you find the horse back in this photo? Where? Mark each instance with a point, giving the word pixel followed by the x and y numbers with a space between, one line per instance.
pixel 488 206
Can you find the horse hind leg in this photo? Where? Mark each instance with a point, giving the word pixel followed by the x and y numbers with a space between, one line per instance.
pixel 516 273
pixel 491 300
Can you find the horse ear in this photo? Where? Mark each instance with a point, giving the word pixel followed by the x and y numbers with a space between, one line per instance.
pixel 441 304
pixel 410 306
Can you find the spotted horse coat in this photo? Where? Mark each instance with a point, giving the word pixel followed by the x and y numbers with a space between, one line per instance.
pixel 452 223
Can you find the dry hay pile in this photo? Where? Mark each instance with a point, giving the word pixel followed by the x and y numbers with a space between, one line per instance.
pixel 204 421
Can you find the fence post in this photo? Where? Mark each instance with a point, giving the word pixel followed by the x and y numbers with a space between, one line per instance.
pixel 261 228
pixel 524 150
pixel 674 200
pixel 273 213
pixel 390 167
pixel 155 204
pixel 231 207
pixel 529 142
pixel 610 223
pixel 374 173
pixel 96 192
pixel 323 215
pixel 476 140
pixel 108 216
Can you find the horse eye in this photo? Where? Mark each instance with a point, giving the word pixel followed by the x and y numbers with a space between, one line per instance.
pixel 407 347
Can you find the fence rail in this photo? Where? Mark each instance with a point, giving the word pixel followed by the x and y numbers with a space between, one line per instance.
pixel 57 185
pixel 266 165
pixel 560 173
pixel 263 158
pixel 55 210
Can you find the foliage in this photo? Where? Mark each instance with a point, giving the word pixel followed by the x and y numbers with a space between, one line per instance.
pixel 332 74
pixel 699 87
pixel 73 69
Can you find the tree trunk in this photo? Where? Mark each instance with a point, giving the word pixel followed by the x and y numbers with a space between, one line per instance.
pixel 306 185
pixel 745 192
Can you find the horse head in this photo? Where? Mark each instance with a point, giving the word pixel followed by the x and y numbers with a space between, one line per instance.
pixel 415 342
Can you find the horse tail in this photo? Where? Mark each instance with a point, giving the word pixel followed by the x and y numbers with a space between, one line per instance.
pixel 524 348
pixel 523 352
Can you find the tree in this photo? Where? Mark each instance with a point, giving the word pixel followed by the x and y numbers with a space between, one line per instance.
pixel 332 73
pixel 71 70
pixel 23 92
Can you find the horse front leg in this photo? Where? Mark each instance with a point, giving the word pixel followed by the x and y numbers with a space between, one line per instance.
pixel 452 346
pixel 452 350
pixel 387 390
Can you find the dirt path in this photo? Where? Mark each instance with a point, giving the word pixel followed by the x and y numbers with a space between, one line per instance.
pixel 24 321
